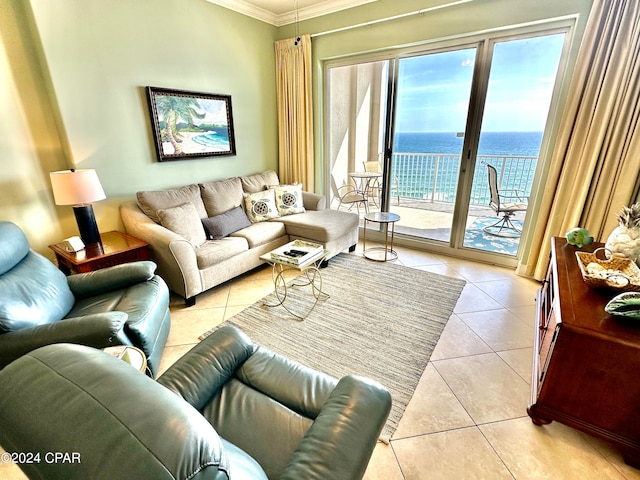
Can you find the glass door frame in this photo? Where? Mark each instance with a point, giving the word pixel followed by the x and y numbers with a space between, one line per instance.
pixel 484 43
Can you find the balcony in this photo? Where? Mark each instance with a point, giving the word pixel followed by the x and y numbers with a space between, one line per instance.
pixel 427 189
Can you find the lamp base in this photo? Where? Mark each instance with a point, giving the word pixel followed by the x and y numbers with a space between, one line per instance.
pixel 87 224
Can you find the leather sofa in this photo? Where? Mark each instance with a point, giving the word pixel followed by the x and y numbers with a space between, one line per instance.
pixel 123 305
pixel 228 409
pixel 193 261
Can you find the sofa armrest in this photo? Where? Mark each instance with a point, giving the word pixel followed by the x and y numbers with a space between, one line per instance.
pixel 112 278
pixel 314 201
pixel 204 369
pixel 174 255
pixel 96 330
pixel 341 439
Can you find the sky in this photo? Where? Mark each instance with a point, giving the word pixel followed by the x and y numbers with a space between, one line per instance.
pixel 433 92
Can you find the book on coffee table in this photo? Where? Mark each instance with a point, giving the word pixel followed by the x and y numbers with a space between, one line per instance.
pixel 297 253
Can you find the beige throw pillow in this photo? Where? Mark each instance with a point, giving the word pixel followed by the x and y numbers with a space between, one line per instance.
pixel 185 221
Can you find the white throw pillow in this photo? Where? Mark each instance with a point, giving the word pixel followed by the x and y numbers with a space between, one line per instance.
pixel 289 199
pixel 261 206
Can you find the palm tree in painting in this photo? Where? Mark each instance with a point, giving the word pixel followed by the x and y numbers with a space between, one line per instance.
pixel 173 109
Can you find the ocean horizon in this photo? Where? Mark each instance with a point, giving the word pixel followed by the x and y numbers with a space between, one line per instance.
pixel 525 144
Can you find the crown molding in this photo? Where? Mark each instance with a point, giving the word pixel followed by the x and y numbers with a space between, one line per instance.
pixel 248 9
pixel 279 20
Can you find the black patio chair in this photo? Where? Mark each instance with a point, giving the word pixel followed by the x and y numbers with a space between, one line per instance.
pixel 506 203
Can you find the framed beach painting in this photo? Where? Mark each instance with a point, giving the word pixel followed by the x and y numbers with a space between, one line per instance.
pixel 190 124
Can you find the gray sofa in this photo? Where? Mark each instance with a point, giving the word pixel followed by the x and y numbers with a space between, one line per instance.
pixel 242 223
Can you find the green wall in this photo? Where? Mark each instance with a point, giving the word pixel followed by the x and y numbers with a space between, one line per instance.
pixel 73 72
pixel 75 97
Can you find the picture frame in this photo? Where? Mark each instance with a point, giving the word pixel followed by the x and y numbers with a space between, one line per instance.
pixel 200 124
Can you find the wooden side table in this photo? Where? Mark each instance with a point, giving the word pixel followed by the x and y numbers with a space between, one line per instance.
pixel 116 248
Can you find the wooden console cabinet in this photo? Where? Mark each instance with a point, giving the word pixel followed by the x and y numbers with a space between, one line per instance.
pixel 586 365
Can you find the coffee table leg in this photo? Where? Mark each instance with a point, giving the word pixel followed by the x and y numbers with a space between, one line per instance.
pixel 314 280
pixel 277 275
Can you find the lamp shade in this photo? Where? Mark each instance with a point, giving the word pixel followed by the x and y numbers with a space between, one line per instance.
pixel 76 187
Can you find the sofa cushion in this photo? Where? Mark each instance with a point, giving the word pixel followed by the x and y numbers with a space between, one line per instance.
pixel 226 223
pixel 260 181
pixel 185 221
pixel 322 225
pixel 221 196
pixel 261 206
pixel 289 199
pixel 261 233
pixel 152 201
pixel 215 251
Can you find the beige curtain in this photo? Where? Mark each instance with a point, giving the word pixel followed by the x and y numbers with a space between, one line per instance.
pixel 295 111
pixel 596 158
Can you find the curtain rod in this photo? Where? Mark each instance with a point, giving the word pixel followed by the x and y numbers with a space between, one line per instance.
pixel 388 19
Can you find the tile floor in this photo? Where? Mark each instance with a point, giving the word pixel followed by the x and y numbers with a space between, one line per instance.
pixel 467 418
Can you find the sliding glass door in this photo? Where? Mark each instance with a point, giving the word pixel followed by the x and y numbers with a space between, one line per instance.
pixel 417 134
pixel 431 114
pixel 519 90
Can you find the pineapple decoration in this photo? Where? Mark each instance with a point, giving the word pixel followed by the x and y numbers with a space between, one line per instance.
pixel 624 241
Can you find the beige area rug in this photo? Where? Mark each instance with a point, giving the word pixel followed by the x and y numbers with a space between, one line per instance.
pixel 380 321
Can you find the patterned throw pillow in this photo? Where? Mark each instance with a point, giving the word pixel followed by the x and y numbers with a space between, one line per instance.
pixel 289 199
pixel 261 206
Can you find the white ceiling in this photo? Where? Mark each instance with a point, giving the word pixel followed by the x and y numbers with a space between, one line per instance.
pixel 283 12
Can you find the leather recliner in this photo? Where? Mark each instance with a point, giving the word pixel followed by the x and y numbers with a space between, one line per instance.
pixel 123 305
pixel 228 409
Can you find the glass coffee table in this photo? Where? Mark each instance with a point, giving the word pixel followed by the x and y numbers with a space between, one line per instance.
pixel 380 253
pixel 311 277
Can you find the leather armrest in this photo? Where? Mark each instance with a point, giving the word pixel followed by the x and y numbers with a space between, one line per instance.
pixel 204 369
pixel 96 330
pixel 341 439
pixel 112 278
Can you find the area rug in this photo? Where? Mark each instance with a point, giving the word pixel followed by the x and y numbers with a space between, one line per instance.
pixel 475 237
pixel 380 321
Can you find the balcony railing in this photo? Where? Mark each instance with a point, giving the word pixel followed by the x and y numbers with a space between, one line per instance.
pixel 433 177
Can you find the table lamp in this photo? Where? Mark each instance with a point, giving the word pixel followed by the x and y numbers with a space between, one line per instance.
pixel 79 188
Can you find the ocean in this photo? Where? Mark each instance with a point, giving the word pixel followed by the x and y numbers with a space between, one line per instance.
pixel 491 143
pixel 432 177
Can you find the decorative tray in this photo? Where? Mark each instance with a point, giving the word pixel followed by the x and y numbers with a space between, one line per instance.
pixel 615 273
